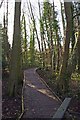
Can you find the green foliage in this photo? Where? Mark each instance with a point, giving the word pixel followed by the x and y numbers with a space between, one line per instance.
pixel 51 32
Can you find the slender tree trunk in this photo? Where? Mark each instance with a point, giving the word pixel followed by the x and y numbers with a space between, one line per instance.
pixel 25 42
pixel 33 19
pixel 32 47
pixel 43 45
pixel 51 37
pixel 73 32
pixel 63 19
pixel 79 50
pixel 5 44
pixel 48 42
pixel 58 52
pixel 63 22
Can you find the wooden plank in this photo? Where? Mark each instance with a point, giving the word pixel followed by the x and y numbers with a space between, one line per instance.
pixel 62 109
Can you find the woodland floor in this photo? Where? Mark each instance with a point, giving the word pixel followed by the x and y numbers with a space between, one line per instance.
pixel 11 106
pixel 74 107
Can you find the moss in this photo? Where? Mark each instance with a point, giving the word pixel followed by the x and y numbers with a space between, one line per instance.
pixel 75 76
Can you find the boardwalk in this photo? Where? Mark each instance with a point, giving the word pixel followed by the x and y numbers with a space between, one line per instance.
pixel 39 101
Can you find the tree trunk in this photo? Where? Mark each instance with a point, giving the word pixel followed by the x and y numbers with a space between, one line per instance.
pixel 25 53
pixel 62 75
pixel 42 36
pixel 79 51
pixel 5 44
pixel 15 66
pixel 33 19
pixel 32 47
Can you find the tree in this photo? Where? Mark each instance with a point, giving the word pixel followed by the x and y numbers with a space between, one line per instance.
pixel 33 19
pixel 42 35
pixel 32 46
pixel 51 30
pixel 48 19
pixel 15 66
pixel 78 19
pixel 24 40
pixel 63 15
pixel 79 50
pixel 73 29
pixel 5 45
pixel 0 49
pixel 62 81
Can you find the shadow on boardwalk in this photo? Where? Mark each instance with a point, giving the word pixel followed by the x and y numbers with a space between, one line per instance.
pixel 39 101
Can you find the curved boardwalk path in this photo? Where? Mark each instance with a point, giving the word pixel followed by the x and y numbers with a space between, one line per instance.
pixel 39 101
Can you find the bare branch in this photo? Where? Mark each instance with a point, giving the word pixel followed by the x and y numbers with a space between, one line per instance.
pixel 1 3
